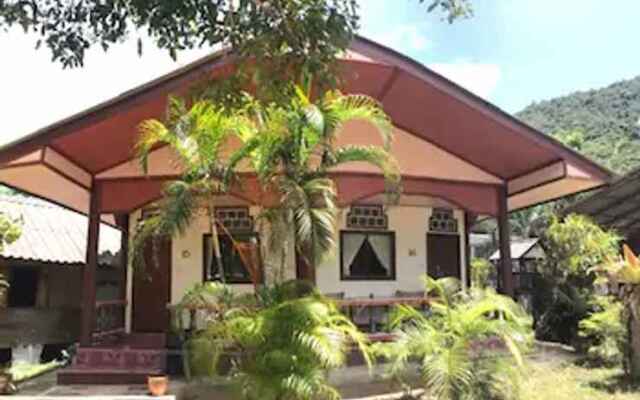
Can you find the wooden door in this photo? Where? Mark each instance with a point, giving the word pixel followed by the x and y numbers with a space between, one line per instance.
pixel 152 290
pixel 443 255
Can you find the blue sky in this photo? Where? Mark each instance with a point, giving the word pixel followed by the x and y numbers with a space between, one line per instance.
pixel 512 52
pixel 518 51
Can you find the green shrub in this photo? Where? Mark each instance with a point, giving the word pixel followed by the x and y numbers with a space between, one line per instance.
pixel 468 347
pixel 289 347
pixel 282 345
pixel 605 331
pixel 563 295
pixel 480 272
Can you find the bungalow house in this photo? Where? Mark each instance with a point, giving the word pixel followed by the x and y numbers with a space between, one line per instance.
pixel 44 270
pixel 460 157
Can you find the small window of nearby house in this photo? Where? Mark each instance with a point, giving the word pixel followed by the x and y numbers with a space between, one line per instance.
pixel 367 255
pixel 234 267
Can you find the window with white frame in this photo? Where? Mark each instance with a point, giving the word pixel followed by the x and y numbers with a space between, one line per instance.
pixel 367 255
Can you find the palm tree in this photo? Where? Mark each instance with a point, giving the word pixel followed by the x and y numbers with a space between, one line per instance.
pixel 198 136
pixel 453 343
pixel 293 151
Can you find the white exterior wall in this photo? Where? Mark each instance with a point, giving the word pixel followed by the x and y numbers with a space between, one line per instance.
pixel 410 224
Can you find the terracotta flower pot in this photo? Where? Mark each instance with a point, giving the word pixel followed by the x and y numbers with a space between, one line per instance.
pixel 158 384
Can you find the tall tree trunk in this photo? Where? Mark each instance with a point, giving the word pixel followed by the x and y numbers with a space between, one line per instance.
pixel 634 332
pixel 215 244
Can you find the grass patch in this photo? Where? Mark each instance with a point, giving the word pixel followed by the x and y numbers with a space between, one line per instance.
pixel 22 372
pixel 566 381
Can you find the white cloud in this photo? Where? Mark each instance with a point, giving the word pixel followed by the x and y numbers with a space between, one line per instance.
pixel 478 78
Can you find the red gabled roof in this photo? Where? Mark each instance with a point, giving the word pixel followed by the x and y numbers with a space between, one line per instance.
pixel 420 102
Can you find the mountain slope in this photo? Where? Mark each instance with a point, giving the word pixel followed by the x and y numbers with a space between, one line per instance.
pixel 600 123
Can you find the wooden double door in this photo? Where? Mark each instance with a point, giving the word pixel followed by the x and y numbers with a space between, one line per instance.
pixel 152 291
pixel 443 255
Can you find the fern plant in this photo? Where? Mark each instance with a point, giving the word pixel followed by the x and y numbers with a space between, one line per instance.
pixel 468 347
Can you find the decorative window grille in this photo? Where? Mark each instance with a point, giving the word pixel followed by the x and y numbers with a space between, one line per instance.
pixel 367 217
pixel 443 221
pixel 235 219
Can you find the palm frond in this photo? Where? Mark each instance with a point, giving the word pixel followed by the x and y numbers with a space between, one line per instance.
pixel 451 341
pixel 340 109
pixel 313 210
pixel 173 217
pixel 373 155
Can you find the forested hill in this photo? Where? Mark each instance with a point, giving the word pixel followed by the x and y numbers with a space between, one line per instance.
pixel 600 123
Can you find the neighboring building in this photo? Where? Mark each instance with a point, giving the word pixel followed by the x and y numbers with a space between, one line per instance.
pixel 44 270
pixel 616 207
pixel 460 157
pixel 481 245
pixel 526 254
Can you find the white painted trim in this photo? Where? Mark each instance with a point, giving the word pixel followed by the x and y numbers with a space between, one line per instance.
pixel 539 177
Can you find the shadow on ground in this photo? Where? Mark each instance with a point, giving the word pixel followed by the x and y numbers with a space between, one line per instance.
pixel 616 383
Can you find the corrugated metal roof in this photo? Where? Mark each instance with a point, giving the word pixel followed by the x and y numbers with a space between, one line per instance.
pixel 519 249
pixel 616 206
pixel 53 234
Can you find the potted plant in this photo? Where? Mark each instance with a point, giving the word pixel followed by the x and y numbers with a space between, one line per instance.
pixel 158 384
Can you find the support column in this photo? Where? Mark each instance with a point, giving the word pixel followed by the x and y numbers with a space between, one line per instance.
pixel 89 270
pixel 122 220
pixel 469 220
pixel 504 232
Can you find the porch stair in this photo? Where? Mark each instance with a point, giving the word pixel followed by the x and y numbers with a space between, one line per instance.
pixel 126 361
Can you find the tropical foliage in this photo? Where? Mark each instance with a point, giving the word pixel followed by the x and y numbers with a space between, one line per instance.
pixel 308 32
pixel 564 292
pixel 455 344
pixel 282 344
pixel 10 229
pixel 605 329
pixel 600 123
pixel 200 321
pixel 197 135
pixel 291 345
pixel 293 151
pixel 624 274
pixel 481 270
